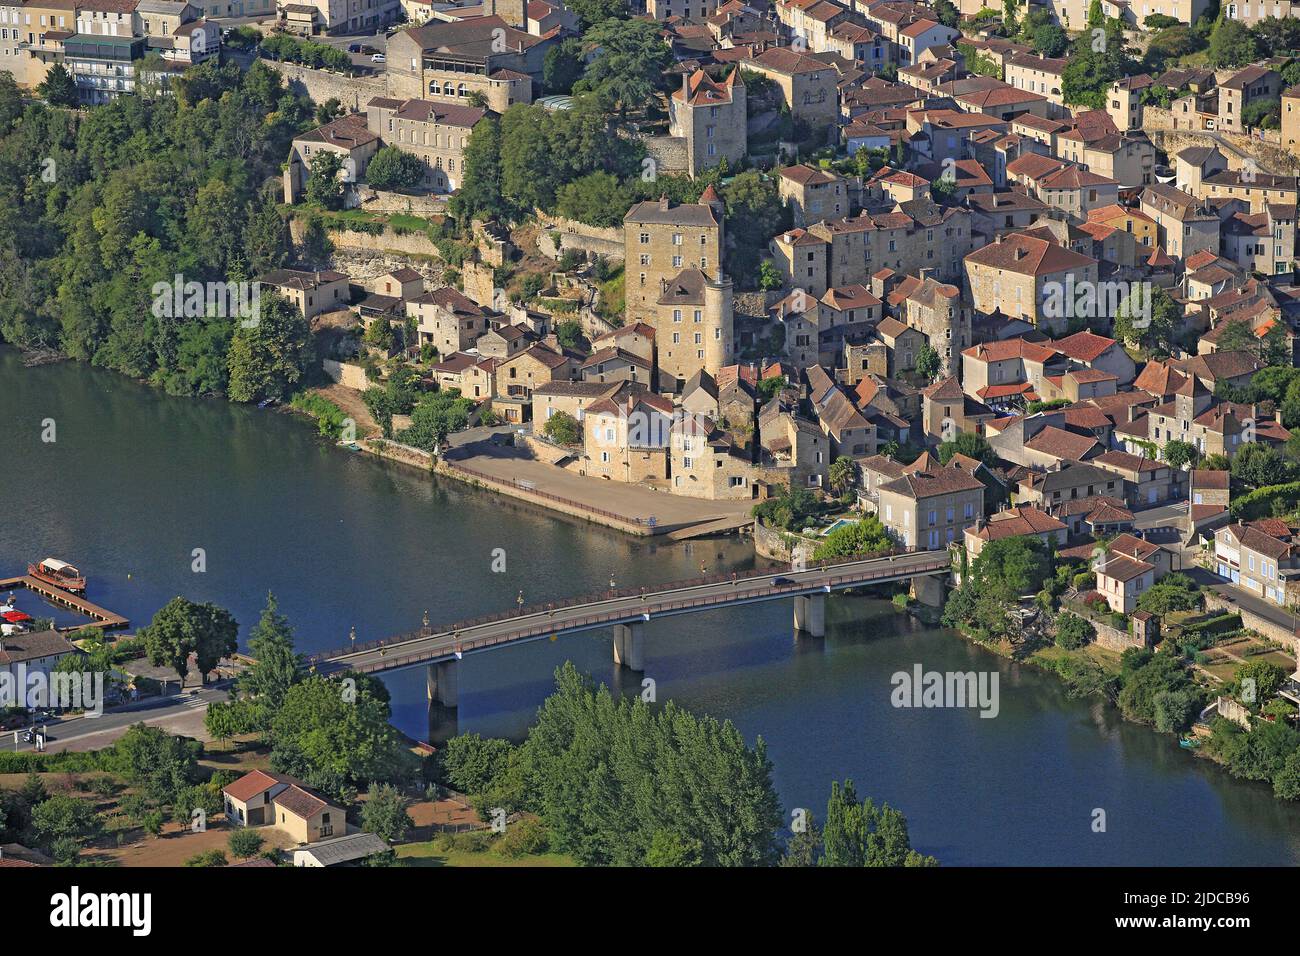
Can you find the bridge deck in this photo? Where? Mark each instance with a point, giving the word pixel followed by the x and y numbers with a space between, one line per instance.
pixel 629 604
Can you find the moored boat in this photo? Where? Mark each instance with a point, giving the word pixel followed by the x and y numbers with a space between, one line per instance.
pixel 58 573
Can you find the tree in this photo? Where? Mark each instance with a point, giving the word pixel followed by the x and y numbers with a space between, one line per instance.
pixel 843 472
pixel 384 813
pixel 336 737
pixel 328 111
pixel 436 416
pixel 58 88
pixel 1173 592
pixel 968 444
pixel 927 362
pixel 393 168
pixel 630 61
pixel 1257 682
pixel 562 66
pixel 805 847
pixel 324 185
pixel 606 775
pixel 182 628
pixel 861 835
pixel 865 536
pixel 591 12
pixel 208 858
pixel 63 817
pixel 946 13
pixel 470 763
pixel 479 196
pixel 1073 631
pixel 159 764
pixel 1232 44
pixel 11 103
pixel 269 354
pixel 563 429
pixel 669 848
pixel 277 666
pixel 1050 40
pixel 244 843
pixel 755 213
pixel 1179 454
pixel 1096 16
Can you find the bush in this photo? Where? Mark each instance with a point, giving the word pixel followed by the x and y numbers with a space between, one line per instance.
pixel 528 837
pixel 244 843
pixel 1073 631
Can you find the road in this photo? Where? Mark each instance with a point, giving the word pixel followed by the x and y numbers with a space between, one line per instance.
pixel 448 644
pixel 1257 605
pixel 90 733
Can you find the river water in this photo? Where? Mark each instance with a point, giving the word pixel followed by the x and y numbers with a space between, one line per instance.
pixel 134 482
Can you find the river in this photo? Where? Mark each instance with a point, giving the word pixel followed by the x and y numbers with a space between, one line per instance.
pixel 135 481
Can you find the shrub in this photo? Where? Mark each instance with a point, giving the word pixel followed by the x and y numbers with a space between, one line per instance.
pixel 1073 631
pixel 244 843
pixel 528 837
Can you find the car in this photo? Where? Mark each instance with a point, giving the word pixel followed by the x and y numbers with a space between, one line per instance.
pixel 377 58
pixel 367 48
pixel 355 48
pixel 779 581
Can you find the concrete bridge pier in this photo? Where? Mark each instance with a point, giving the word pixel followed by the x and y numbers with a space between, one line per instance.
pixel 928 590
pixel 810 614
pixel 629 645
pixel 440 681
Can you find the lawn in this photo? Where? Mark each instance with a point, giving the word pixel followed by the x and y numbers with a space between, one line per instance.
pixel 428 854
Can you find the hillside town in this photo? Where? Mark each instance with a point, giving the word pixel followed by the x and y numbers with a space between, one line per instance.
pixel 1015 285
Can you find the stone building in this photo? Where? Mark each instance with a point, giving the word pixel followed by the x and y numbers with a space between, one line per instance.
pixel 434 132
pixel 660 240
pixel 710 116
pixel 693 326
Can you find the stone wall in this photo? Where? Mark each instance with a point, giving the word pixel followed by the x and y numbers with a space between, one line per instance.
pixel 1271 157
pixel 363 265
pixel 781 545
pixel 754 305
pixel 425 204
pixel 1113 638
pixel 347 374
pixel 1254 622
pixel 388 241
pixel 668 154
pixel 607 242
pixel 353 92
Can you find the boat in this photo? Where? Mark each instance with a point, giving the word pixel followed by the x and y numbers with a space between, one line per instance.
pixel 15 617
pixel 58 573
pixel 1189 743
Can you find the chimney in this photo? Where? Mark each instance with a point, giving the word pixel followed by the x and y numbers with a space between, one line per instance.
pixel 686 86
pixel 997 240
pixel 1020 253
pixel 663 203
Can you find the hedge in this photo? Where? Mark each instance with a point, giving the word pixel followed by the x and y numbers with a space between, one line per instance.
pixel 1264 502
pixel 66 762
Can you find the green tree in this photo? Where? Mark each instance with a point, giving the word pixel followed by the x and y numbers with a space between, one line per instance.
pixel 393 168
pixel 182 628
pixel 859 834
pixel 563 429
pixel 591 12
pixel 670 849
pixel 1232 44
pixel 269 355
pixel 928 363
pixel 336 737
pixel 277 665
pixel 1179 454
pixel 629 65
pixel 324 182
pixel 968 444
pixel 865 536
pixel 244 843
pixel 384 813
pixel 480 196
pixel 64 817
pixel 843 473
pixel 470 763
pixel 436 416
pixel 58 88
pixel 562 66
pixel 1072 631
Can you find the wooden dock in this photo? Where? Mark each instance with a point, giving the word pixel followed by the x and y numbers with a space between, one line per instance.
pixel 99 617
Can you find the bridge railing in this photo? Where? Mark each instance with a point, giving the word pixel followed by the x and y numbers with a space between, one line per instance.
pixel 626 592
pixel 605 617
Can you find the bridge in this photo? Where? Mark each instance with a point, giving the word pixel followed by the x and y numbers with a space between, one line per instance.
pixel 627 610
